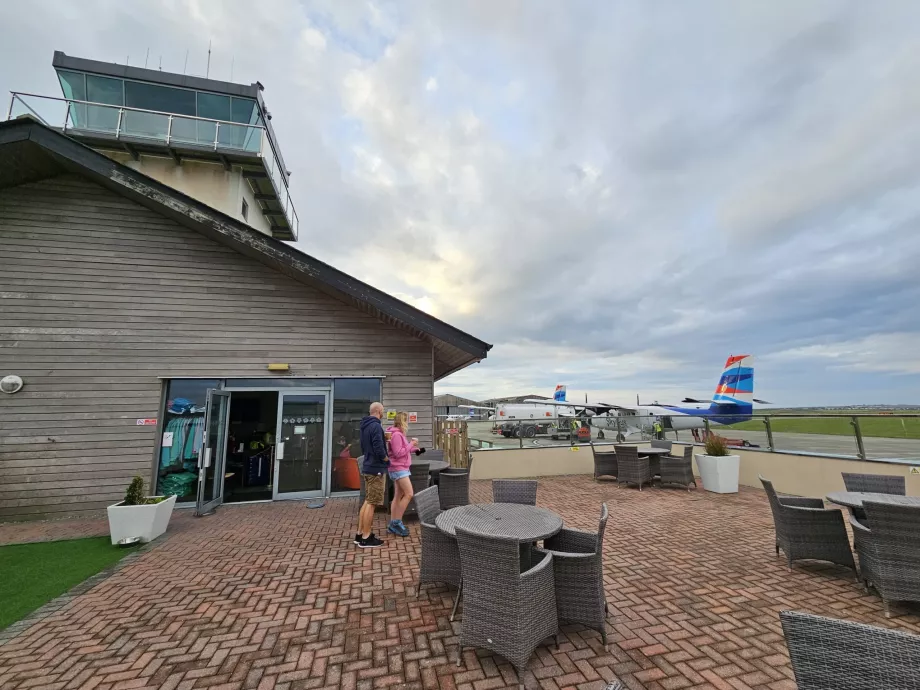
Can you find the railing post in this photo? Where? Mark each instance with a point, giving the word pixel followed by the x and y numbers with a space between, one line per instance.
pixel 216 134
pixel 169 129
pixel 766 423
pixel 121 113
pixel 66 116
pixel 707 426
pixel 860 446
pixel 521 434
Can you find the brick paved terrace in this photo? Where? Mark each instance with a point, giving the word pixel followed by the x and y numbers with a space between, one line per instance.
pixel 277 596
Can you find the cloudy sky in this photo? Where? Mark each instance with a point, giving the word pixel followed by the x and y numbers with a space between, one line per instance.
pixel 618 195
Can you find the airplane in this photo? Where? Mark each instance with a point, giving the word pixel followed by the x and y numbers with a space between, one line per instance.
pixel 732 402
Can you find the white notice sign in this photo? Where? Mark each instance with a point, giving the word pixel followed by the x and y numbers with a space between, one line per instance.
pixel 168 439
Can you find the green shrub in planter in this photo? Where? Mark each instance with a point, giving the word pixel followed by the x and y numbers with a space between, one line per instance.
pixel 716 446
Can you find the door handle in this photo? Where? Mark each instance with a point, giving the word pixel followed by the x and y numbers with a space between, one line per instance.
pixel 207 457
pixel 279 451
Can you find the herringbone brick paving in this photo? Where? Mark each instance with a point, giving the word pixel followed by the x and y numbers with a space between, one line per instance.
pixel 277 596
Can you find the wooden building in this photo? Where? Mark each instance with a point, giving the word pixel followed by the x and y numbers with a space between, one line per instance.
pixel 150 330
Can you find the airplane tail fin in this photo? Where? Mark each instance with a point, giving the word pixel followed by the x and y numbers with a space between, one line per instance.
pixel 559 395
pixel 736 386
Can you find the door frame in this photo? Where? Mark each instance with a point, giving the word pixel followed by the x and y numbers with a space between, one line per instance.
pixel 218 459
pixel 326 481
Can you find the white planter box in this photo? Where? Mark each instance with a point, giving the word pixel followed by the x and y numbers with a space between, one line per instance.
pixel 147 522
pixel 719 473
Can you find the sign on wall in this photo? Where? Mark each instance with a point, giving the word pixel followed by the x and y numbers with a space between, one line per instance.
pixel 413 417
pixel 146 422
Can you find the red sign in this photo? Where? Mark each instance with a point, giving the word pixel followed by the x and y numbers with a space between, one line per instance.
pixel 146 422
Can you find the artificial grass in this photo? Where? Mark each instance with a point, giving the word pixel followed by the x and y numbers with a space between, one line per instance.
pixel 31 575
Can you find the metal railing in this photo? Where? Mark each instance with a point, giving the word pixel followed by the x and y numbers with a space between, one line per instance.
pixel 119 122
pixel 894 437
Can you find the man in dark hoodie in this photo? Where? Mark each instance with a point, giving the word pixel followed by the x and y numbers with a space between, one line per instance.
pixel 374 446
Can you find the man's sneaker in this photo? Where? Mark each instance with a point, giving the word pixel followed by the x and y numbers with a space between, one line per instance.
pixel 372 542
pixel 398 528
pixel 357 537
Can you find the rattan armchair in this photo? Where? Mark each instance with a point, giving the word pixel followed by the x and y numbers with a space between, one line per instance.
pixel 455 489
pixel 889 550
pixel 678 470
pixel 631 469
pixel 504 610
pixel 522 491
pixel 830 654
pixel 440 560
pixel 578 571
pixel 605 462
pixel 874 483
pixel 806 530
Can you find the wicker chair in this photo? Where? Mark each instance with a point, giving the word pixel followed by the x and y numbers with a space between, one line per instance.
pixel 889 550
pixel 830 654
pixel 677 470
pixel 631 469
pixel 522 491
pixel 874 483
pixel 806 530
pixel 605 462
pixel 440 561
pixel 579 575
pixel 667 445
pixel 421 480
pixel 505 610
pixel 455 489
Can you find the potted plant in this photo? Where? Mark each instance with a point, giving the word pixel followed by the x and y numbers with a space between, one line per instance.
pixel 718 468
pixel 139 515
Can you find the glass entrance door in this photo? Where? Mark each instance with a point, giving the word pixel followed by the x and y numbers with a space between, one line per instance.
pixel 302 450
pixel 212 458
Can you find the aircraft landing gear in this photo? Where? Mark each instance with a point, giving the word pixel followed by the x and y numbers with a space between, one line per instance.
pixel 600 435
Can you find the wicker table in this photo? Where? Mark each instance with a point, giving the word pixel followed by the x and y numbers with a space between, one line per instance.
pixel 527 524
pixel 854 499
pixel 653 451
pixel 435 466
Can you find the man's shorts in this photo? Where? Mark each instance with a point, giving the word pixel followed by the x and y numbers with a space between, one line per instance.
pixel 374 485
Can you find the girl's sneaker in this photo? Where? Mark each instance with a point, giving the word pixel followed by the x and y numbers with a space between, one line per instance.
pixel 398 528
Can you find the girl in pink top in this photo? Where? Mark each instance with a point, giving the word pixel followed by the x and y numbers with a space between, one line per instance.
pixel 400 452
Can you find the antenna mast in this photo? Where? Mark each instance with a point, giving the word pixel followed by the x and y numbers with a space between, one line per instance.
pixel 208 68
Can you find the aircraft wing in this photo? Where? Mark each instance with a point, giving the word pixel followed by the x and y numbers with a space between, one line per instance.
pixel 694 400
pixel 596 408
pixel 476 407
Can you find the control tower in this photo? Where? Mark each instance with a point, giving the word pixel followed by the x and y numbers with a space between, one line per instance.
pixel 209 139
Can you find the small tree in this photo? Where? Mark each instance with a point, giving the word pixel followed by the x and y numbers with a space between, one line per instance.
pixel 716 446
pixel 135 495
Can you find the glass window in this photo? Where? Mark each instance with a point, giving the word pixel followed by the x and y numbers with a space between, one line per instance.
pixel 103 90
pixel 351 400
pixel 73 84
pixel 213 106
pixel 163 98
pixel 244 111
pixel 177 470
